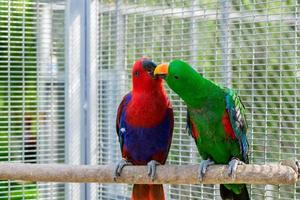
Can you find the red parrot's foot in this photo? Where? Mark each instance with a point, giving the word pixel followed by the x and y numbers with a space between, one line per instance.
pixel 152 169
pixel 121 164
pixel 232 166
pixel 203 167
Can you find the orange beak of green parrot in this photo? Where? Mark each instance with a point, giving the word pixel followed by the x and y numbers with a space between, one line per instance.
pixel 161 70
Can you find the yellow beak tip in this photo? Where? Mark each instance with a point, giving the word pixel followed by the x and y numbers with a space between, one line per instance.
pixel 161 69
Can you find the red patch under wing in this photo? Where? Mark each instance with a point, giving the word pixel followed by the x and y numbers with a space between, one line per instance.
pixel 227 126
pixel 195 132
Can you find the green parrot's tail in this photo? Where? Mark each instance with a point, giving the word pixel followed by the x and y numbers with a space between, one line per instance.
pixel 227 194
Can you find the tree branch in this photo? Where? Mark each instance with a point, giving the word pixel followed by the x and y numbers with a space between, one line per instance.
pixel 282 173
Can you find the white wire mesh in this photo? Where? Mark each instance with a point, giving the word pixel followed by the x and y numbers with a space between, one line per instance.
pixel 253 46
pixel 31 91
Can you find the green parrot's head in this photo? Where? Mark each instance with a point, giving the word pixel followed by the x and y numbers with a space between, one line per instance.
pixel 179 75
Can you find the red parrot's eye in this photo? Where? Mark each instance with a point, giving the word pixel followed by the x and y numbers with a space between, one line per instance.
pixel 136 73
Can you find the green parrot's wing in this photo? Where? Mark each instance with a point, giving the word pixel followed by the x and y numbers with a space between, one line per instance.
pixel 236 112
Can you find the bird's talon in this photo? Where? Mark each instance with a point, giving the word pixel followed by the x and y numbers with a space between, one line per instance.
pixel 120 165
pixel 152 169
pixel 203 167
pixel 232 167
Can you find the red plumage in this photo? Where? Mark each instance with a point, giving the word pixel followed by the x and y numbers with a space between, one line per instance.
pixel 149 101
pixel 227 126
pixel 195 132
pixel 145 116
pixel 148 192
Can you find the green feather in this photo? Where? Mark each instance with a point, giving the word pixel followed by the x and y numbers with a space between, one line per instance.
pixel 236 110
pixel 206 103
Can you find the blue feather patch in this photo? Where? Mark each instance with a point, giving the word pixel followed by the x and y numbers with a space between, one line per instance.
pixel 236 111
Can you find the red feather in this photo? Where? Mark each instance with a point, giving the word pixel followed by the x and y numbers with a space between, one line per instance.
pixel 147 192
pixel 160 157
pixel 227 126
pixel 146 93
pixel 195 132
pixel 147 108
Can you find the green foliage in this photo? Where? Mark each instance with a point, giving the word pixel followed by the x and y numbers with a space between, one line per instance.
pixel 18 92
pixel 17 191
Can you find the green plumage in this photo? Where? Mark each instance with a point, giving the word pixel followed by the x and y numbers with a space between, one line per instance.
pixel 213 112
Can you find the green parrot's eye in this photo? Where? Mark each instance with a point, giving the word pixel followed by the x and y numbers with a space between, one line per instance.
pixel 176 77
pixel 136 73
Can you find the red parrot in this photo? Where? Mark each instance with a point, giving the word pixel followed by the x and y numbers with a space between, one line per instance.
pixel 144 126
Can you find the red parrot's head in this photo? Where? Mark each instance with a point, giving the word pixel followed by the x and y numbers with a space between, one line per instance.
pixel 143 78
pixel 149 102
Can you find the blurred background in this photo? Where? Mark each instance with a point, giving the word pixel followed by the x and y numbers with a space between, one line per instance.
pixel 65 65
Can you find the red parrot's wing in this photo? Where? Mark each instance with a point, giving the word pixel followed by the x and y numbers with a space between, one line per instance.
pixel 120 113
pixel 171 118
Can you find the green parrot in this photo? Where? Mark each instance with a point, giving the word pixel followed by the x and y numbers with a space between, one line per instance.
pixel 216 120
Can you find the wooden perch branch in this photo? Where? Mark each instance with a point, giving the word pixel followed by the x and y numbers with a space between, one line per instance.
pixel 283 173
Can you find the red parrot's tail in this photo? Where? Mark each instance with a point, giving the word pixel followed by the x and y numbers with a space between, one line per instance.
pixel 148 192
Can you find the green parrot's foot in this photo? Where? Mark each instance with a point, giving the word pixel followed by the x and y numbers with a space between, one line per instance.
pixel 203 167
pixel 152 169
pixel 121 164
pixel 232 166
